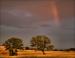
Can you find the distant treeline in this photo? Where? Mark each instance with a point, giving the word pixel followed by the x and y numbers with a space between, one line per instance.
pixel 70 49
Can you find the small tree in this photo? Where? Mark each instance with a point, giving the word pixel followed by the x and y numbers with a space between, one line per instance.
pixel 13 43
pixel 41 42
pixel 50 47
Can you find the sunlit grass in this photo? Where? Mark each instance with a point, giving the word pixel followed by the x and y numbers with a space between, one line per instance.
pixel 39 54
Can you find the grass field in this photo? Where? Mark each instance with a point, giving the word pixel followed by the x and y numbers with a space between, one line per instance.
pixel 38 54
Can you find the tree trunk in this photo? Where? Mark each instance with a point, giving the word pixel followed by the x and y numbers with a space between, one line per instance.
pixel 43 52
pixel 10 52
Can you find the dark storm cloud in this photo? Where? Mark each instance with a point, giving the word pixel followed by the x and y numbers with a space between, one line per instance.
pixel 29 18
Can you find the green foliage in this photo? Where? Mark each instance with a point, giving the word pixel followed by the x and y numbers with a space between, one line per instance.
pixel 40 42
pixel 50 47
pixel 13 43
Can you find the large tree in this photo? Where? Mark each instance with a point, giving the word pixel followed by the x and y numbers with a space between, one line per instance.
pixel 41 42
pixel 13 43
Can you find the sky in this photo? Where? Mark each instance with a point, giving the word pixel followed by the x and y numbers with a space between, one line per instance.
pixel 27 18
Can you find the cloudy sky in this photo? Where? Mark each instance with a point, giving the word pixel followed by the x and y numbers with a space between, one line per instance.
pixel 27 18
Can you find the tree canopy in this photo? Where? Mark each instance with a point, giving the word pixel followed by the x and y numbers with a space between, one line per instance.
pixel 13 43
pixel 41 42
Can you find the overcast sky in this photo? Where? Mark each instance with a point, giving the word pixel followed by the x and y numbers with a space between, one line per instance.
pixel 27 18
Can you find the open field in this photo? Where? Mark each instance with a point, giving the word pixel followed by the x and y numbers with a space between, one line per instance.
pixel 38 54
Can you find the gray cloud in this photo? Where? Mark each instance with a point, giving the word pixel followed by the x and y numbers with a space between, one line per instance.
pixel 25 19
